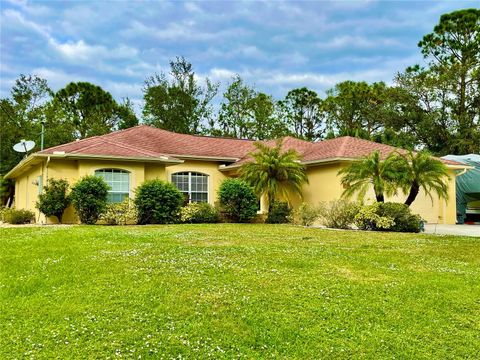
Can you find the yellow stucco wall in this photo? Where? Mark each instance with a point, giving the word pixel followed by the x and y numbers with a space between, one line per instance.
pixel 324 184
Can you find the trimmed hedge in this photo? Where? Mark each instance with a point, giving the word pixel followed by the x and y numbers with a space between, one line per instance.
pixel 238 202
pixel 89 198
pixel 199 213
pixel 279 213
pixel 158 202
pixel 388 217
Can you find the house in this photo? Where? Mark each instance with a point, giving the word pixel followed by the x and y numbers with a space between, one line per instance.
pixel 198 165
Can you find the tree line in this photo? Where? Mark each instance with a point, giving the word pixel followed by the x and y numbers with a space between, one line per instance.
pixel 434 107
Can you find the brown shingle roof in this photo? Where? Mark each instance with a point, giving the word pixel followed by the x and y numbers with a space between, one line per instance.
pixel 148 142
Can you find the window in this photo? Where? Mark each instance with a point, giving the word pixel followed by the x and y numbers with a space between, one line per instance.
pixel 119 182
pixel 193 185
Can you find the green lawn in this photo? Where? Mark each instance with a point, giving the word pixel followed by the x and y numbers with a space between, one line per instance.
pixel 236 291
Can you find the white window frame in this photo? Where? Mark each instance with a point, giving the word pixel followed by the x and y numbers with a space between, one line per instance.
pixel 189 192
pixel 123 171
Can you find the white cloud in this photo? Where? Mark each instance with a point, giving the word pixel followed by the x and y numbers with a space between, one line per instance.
pixel 356 41
pixel 82 52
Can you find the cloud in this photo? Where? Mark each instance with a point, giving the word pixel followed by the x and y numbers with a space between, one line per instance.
pixel 356 41
pixel 82 52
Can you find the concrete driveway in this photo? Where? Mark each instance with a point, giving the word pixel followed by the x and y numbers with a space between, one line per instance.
pixel 464 230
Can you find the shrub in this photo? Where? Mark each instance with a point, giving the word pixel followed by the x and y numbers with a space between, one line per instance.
pixel 89 198
pixel 21 216
pixel 279 213
pixel 197 213
pixel 388 216
pixel 120 213
pixel 338 214
pixel 237 200
pixel 305 215
pixel 158 202
pixel 54 199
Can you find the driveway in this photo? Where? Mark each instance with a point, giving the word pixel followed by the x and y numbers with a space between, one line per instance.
pixel 464 230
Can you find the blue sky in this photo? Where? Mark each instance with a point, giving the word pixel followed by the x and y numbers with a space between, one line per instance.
pixel 275 46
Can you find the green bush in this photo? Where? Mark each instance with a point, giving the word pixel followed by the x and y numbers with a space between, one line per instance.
pixel 280 213
pixel 21 216
pixel 120 213
pixel 89 198
pixel 389 217
pixel 158 202
pixel 305 215
pixel 338 214
pixel 198 213
pixel 237 201
pixel 54 199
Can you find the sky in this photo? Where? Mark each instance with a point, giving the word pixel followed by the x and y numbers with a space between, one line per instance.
pixel 275 46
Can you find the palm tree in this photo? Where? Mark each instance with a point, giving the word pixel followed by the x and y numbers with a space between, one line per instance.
pixel 422 171
pixel 371 170
pixel 274 172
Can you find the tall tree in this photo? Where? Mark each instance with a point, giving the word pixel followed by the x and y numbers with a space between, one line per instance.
pixel 246 113
pixel 236 111
pixel 92 110
pixel 177 102
pixel 371 170
pixel 453 49
pixel 274 172
pixel 422 171
pixel 126 114
pixel 357 108
pixel 20 118
pixel 303 114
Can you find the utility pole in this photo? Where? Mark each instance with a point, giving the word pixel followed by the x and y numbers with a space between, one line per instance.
pixel 42 135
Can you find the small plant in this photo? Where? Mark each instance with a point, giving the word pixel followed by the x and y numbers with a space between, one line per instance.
pixel 89 198
pixel 54 199
pixel 120 213
pixel 158 202
pixel 305 215
pixel 279 213
pixel 20 216
pixel 237 200
pixel 338 214
pixel 198 213
pixel 389 217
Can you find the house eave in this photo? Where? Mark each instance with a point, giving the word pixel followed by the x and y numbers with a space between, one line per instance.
pixel 75 156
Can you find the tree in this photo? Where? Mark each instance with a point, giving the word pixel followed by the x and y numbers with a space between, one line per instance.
pixel 453 51
pixel 247 114
pixel 358 109
pixel 126 114
pixel 20 118
pixel 371 170
pixel 54 199
pixel 274 172
pixel 422 171
pixel 92 110
pixel 302 112
pixel 178 104
pixel 236 111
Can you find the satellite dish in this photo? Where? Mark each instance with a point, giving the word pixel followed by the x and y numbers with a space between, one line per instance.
pixel 24 146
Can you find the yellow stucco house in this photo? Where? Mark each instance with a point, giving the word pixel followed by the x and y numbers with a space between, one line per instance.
pixel 197 165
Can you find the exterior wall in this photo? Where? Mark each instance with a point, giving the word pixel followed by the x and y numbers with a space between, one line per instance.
pixel 324 185
pixel 210 168
pixel 27 188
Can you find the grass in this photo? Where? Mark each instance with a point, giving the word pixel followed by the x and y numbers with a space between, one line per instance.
pixel 236 291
